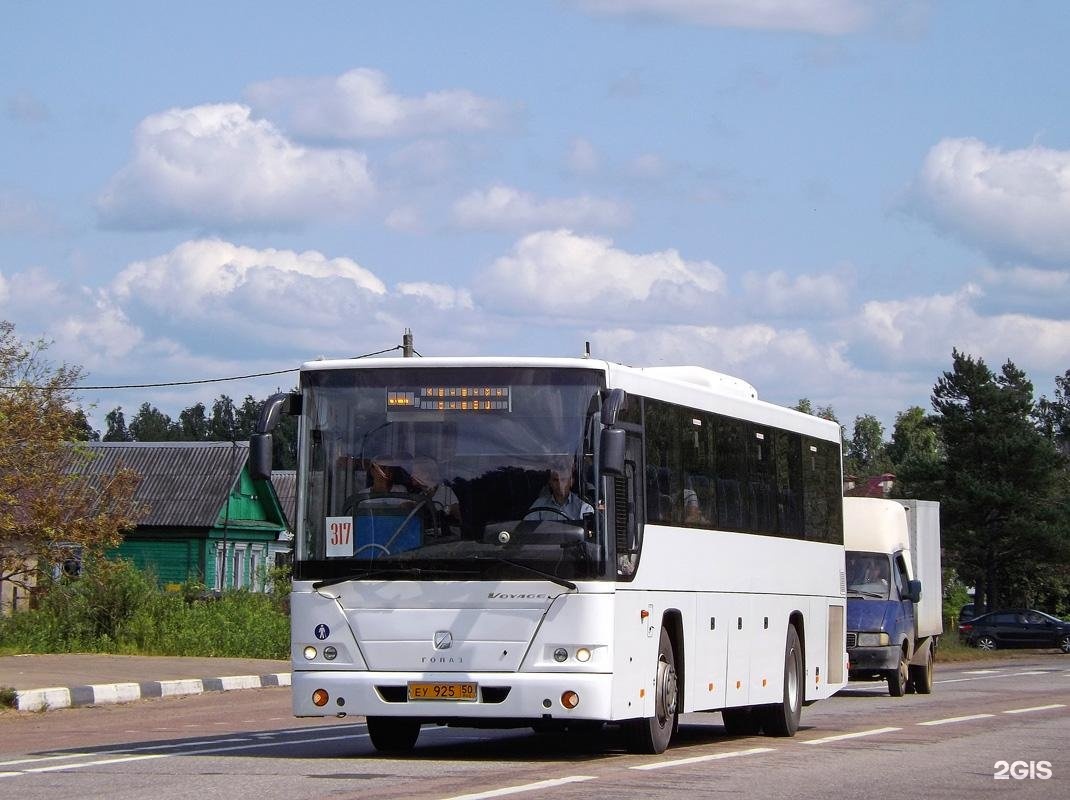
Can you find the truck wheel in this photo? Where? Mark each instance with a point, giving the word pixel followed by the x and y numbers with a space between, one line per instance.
pixel 921 675
pixel 986 643
pixel 782 719
pixel 897 678
pixel 651 735
pixel 393 734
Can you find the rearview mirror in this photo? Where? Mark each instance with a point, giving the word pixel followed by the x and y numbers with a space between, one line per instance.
pixel 914 591
pixel 612 451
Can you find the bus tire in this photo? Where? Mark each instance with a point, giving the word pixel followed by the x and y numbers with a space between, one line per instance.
pixel 782 719
pixel 651 735
pixel 393 734
pixel 921 675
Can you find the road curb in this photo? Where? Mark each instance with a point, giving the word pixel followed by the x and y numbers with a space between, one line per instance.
pixel 106 693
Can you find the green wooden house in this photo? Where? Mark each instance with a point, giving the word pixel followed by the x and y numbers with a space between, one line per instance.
pixel 206 520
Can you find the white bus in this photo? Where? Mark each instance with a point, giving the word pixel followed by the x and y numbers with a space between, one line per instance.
pixel 501 542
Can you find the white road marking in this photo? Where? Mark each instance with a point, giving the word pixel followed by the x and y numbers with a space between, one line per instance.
pixel 1016 674
pixel 527 787
pixel 950 720
pixel 177 752
pixel 696 759
pixel 98 763
pixel 1034 708
pixel 858 735
pixel 980 671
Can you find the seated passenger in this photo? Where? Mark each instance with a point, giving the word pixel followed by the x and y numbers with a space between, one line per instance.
pixel 557 500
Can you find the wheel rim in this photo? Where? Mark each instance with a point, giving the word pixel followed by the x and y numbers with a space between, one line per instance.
pixel 904 670
pixel 792 681
pixel 666 695
pixel 1064 644
pixel 986 644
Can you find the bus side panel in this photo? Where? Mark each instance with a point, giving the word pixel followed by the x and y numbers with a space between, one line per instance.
pixel 636 638
pixel 769 623
pixel 740 634
pixel 706 663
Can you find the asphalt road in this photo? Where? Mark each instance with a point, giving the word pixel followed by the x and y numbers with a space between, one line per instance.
pixel 860 744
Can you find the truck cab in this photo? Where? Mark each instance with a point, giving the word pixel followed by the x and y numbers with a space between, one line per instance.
pixel 890 636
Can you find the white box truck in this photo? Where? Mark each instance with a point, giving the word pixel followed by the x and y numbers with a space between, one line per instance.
pixel 894 591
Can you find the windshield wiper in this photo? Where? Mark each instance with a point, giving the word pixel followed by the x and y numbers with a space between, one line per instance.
pixel 862 593
pixel 533 570
pixel 376 573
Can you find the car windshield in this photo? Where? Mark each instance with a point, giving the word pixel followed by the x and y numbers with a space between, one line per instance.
pixel 868 575
pixel 449 472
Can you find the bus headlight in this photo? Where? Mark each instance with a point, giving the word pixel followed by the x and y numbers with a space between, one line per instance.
pixel 560 654
pixel 583 654
pixel 874 640
pixel 310 652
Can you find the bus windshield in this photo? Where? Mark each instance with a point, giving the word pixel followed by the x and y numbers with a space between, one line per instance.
pixel 449 473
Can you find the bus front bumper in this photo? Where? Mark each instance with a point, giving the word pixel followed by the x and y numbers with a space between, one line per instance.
pixel 499 695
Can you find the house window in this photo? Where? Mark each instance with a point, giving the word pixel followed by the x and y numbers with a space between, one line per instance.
pixel 256 579
pixel 238 570
pixel 220 568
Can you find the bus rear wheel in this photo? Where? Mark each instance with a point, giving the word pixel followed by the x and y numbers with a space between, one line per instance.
pixel 782 719
pixel 393 734
pixel 651 735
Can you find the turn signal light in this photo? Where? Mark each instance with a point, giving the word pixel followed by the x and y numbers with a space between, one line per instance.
pixel 320 697
pixel 570 699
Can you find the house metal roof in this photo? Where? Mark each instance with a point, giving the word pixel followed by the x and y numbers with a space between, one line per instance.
pixel 285 483
pixel 183 484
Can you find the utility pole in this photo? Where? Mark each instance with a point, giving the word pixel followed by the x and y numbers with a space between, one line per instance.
pixel 406 343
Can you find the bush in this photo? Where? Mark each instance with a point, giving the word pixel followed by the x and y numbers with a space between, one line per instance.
pixel 115 608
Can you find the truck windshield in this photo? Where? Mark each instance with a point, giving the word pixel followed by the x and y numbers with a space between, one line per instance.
pixel 441 473
pixel 868 575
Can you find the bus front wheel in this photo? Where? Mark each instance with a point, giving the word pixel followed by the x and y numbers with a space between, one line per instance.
pixel 393 734
pixel 651 735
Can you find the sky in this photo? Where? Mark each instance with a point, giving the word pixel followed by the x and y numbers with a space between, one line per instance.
pixel 822 197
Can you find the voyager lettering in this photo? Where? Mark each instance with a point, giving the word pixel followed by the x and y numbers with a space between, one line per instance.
pixel 503 596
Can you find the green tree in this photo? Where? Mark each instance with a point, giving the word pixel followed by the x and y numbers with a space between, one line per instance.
pixel 1053 416
pixel 152 425
pixel 48 510
pixel 193 423
pixel 1000 483
pixel 246 416
pixel 866 451
pixel 115 426
pixel 222 425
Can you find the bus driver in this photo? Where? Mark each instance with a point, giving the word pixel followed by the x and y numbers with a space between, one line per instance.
pixel 557 500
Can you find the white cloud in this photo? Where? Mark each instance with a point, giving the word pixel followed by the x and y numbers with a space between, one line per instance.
pixel 1012 203
pixel 506 208
pixel 359 105
pixel 560 273
pixel 813 296
pixel 198 277
pixel 439 295
pixel 215 166
pixel 923 331
pixel 831 17
pixel 776 361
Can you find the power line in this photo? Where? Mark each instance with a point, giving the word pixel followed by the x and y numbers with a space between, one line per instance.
pixel 181 383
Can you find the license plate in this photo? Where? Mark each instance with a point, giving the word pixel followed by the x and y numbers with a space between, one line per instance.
pixel 442 691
